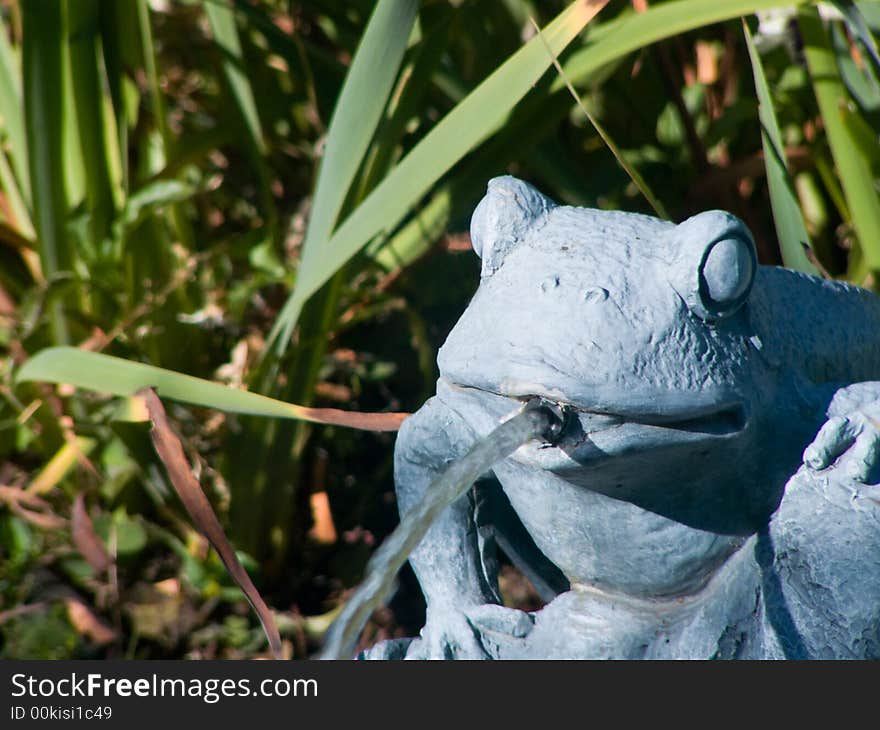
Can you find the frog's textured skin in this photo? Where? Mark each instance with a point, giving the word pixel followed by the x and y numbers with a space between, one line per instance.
pixel 712 495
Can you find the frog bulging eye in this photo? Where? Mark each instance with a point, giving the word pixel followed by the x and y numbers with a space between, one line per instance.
pixel 715 266
pixel 727 273
pixel 503 217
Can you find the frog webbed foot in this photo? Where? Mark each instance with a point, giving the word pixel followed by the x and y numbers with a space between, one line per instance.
pixel 851 436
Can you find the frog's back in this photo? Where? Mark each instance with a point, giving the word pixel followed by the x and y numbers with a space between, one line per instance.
pixel 828 330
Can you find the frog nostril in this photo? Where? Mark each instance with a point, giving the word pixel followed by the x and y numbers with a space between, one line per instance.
pixel 595 294
pixel 550 283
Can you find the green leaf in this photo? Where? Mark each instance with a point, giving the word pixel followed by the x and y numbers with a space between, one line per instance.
pixel 790 227
pixel 355 118
pixel 468 124
pixel 43 73
pixel 156 99
pixel 13 116
pixel 417 74
pixel 151 196
pixel 97 129
pixel 222 20
pixel 123 378
pixel 629 169
pixel 119 377
pixel 632 32
pixel 20 214
pixel 863 136
pixel 74 164
pixel 852 168
pixel 130 538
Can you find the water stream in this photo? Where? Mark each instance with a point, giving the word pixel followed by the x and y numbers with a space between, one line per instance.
pixel 536 420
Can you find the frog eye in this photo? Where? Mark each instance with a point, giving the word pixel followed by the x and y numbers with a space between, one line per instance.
pixel 503 217
pixel 715 266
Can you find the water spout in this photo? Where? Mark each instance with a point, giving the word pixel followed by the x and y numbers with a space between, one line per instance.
pixel 538 419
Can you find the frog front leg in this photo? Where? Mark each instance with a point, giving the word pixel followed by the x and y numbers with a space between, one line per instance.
pixel 851 435
pixel 448 560
pixel 821 557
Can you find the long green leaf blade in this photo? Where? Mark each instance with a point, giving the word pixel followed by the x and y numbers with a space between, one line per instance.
pixel 43 88
pixel 116 376
pixel 12 115
pixel 852 168
pixel 18 209
pixel 468 124
pixel 790 226
pixel 355 118
pixel 97 132
pixel 606 44
pixel 222 20
pixel 633 173
pixel 633 32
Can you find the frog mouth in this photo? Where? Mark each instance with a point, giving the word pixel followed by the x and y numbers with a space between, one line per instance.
pixel 589 438
pixel 670 417
pixel 712 420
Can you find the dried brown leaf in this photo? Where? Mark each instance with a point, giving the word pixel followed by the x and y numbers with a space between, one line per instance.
pixel 31 508
pixel 86 623
pixel 85 538
pixel 24 610
pixel 15 495
pixel 354 419
pixel 170 451
pixel 39 519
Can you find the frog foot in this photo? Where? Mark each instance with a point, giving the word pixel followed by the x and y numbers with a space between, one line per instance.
pixel 478 632
pixel 851 436
pixel 500 629
pixel 447 634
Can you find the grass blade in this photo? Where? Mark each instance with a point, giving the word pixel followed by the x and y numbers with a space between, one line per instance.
pixel 635 31
pixel 43 73
pixel 21 219
pixel 120 46
pixel 417 73
pixel 59 466
pixel 853 170
pixel 607 43
pixel 468 124
pixel 160 154
pixel 13 117
pixel 97 131
pixel 355 118
pixel 222 20
pixel 156 99
pixel 115 376
pixel 631 171
pixel 790 226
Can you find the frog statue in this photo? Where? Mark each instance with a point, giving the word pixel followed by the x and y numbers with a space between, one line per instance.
pixel 710 495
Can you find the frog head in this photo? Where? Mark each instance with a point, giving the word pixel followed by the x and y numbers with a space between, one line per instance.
pixel 637 327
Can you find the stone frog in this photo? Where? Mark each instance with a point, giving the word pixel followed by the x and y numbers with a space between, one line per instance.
pixel 711 493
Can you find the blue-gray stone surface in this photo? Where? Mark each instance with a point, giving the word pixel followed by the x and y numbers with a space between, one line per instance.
pixel 713 494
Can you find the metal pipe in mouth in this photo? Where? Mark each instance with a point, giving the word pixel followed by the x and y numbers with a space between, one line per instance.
pixel 537 419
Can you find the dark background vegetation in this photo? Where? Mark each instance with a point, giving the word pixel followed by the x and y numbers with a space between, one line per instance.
pixel 161 229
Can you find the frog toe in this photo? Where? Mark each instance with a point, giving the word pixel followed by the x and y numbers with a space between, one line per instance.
pixel 833 439
pixel 864 457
